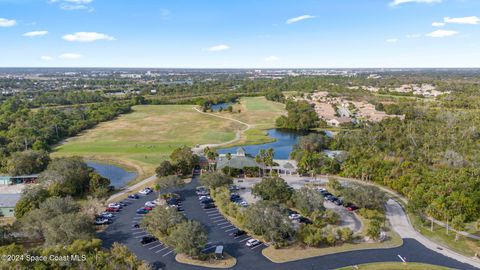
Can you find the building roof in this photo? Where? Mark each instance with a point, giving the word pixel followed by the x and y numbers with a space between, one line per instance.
pixel 237 162
pixel 241 151
pixel 9 200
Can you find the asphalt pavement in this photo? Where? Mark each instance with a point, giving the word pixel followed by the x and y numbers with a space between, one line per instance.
pixel 219 233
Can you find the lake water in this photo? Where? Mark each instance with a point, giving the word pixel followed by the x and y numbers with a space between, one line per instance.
pixel 118 176
pixel 285 140
pixel 224 106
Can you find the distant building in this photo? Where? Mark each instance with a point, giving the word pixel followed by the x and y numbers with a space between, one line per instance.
pixel 239 160
pixel 14 180
pixel 7 204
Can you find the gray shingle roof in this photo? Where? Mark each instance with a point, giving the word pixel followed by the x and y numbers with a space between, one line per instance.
pixel 9 200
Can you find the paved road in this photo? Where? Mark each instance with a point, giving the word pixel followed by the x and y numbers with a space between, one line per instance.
pixel 162 257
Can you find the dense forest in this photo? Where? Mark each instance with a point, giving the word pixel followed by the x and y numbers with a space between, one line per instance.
pixel 432 157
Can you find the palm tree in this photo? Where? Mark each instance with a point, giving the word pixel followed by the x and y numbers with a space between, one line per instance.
pixel 269 158
pixel 229 157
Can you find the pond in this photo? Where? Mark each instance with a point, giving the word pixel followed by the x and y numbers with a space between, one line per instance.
pixel 118 176
pixel 223 106
pixel 285 140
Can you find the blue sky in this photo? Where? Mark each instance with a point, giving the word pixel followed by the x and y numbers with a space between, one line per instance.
pixel 240 33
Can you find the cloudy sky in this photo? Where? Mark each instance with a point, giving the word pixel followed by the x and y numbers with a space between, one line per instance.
pixel 240 33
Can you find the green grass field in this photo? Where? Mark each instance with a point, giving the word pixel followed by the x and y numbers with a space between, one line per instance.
pixel 142 139
pixel 145 137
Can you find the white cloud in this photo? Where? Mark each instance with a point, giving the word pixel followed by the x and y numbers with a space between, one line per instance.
pixel 35 34
pixel 463 20
pixel 442 33
pixel 74 4
pixel 438 24
pixel 413 35
pixel 299 18
pixel 7 23
pixel 46 57
pixel 217 48
pixel 70 56
pixel 272 58
pixel 399 2
pixel 392 40
pixel 87 37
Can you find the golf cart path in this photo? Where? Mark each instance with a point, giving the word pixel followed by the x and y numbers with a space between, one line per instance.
pixel 238 134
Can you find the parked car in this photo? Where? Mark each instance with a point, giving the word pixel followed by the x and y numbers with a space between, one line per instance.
pixel 208 206
pixel 206 200
pixel 148 239
pixel 294 216
pixel 146 208
pixel 106 215
pixel 112 209
pixel 243 204
pixel 146 191
pixel 252 242
pixel 141 211
pixel 204 197
pixel 337 201
pixel 233 187
pixel 114 205
pixel 102 221
pixel 304 220
pixel 133 196
pixel 351 207
pixel 123 204
pixel 150 204
pixel 238 233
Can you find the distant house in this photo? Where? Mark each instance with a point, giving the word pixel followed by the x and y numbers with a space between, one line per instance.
pixel 336 122
pixel 7 204
pixel 14 180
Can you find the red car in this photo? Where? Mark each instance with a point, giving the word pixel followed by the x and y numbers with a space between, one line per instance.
pixel 111 209
pixel 148 208
pixel 351 207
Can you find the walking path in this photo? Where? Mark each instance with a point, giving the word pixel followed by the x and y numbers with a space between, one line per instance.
pixel 238 134
pixel 129 189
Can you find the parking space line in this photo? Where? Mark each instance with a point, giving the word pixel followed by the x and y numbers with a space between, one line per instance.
pixel 256 246
pixel 215 218
pixel 138 232
pixel 224 227
pixel 167 253
pixel 160 250
pixel 218 220
pixel 214 214
pixel 137 229
pixel 159 245
pixel 248 238
pixel 150 243
pixel 227 222
pixel 211 210
pixel 232 229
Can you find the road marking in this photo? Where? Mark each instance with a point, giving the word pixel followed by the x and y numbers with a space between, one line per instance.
pixel 402 258
pixel 248 238
pixel 227 222
pixel 137 229
pixel 208 243
pixel 159 245
pixel 218 220
pixel 138 232
pixel 160 250
pixel 215 214
pixel 232 229
pixel 167 253
pixel 150 243
pixel 215 218
pixel 211 210
pixel 256 246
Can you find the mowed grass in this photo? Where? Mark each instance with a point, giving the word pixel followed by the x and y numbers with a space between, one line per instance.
pixel 147 136
pixel 258 112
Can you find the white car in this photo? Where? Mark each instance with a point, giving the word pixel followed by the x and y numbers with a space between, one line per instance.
pixel 145 191
pixel 252 242
pixel 294 216
pixel 243 204
pixel 106 215
pixel 114 205
pixel 203 197
pixel 150 204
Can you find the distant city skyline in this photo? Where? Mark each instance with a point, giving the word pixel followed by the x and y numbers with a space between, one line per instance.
pixel 240 33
